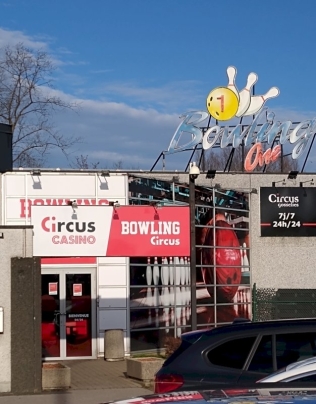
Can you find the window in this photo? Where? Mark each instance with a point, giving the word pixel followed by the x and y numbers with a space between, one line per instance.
pixel 294 347
pixel 232 354
pixel 262 359
pixel 308 378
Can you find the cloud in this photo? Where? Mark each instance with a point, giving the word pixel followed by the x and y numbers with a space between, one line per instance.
pixel 8 37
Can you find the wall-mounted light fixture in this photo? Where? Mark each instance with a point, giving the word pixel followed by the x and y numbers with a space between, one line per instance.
pixel 276 182
pixel 36 172
pixel 292 175
pixel 115 204
pixel 73 203
pixel 105 173
pixel 211 174
pixel 311 182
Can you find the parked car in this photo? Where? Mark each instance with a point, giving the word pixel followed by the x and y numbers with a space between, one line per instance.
pixel 236 354
pixel 227 396
pixel 301 371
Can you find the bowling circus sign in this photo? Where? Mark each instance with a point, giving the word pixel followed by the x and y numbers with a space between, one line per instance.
pixel 225 103
pixel 107 231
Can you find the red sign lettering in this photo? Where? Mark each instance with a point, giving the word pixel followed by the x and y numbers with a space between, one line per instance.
pixel 26 204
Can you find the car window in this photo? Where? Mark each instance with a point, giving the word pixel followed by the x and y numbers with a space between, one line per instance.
pixel 262 359
pixel 232 354
pixel 309 378
pixel 294 347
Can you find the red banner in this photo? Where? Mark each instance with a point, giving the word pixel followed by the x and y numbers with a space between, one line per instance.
pixel 146 231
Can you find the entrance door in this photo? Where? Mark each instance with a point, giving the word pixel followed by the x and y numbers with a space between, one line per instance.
pixel 68 314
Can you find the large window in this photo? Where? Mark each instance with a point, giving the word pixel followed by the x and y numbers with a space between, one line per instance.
pixel 160 287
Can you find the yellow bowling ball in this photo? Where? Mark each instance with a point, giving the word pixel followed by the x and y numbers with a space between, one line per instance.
pixel 222 103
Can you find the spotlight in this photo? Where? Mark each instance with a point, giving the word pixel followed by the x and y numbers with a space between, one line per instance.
pixel 210 174
pixel 275 182
pixel 105 173
pixel 36 172
pixel 116 204
pixel 292 175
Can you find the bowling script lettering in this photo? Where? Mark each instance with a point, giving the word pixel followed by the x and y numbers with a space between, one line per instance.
pixel 156 229
pixel 224 103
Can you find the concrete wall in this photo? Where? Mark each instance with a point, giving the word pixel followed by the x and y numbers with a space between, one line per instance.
pixel 16 242
pixel 276 262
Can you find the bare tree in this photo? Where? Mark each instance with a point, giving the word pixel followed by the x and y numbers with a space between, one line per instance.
pixel 27 103
pixel 82 162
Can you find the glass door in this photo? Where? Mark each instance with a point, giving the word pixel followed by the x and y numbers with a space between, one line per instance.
pixel 78 315
pixel 68 314
pixel 50 318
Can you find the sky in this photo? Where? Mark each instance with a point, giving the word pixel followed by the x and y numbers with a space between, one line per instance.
pixel 135 66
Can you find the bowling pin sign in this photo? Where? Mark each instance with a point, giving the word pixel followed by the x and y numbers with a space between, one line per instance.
pixel 231 74
pixel 149 273
pixel 245 95
pixel 156 272
pixel 257 101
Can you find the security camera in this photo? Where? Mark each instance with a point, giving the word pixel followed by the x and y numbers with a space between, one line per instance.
pixel 194 170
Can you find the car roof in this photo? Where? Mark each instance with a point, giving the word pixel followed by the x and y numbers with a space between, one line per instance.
pixel 246 324
pixel 302 364
pixel 228 395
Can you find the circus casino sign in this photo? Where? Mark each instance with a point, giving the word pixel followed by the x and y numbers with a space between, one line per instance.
pixel 225 103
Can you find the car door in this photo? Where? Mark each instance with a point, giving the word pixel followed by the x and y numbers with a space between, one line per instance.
pixel 226 360
pixel 260 363
pixel 277 350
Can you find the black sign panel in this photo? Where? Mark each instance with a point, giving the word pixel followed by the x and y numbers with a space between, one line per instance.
pixel 288 212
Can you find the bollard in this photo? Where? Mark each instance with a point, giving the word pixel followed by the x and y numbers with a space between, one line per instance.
pixel 113 345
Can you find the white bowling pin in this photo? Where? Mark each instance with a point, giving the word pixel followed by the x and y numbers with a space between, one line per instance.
pixel 184 301
pixel 177 270
pixel 156 303
pixel 189 272
pixel 156 272
pixel 257 101
pixel 166 310
pixel 231 74
pixel 149 273
pixel 245 95
pixel 242 258
pixel 182 271
pixel 186 271
pixel 149 303
pixel 171 274
pixel 188 303
pixel 164 272
pixel 245 258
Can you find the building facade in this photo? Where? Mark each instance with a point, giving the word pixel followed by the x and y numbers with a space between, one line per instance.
pixel 149 297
